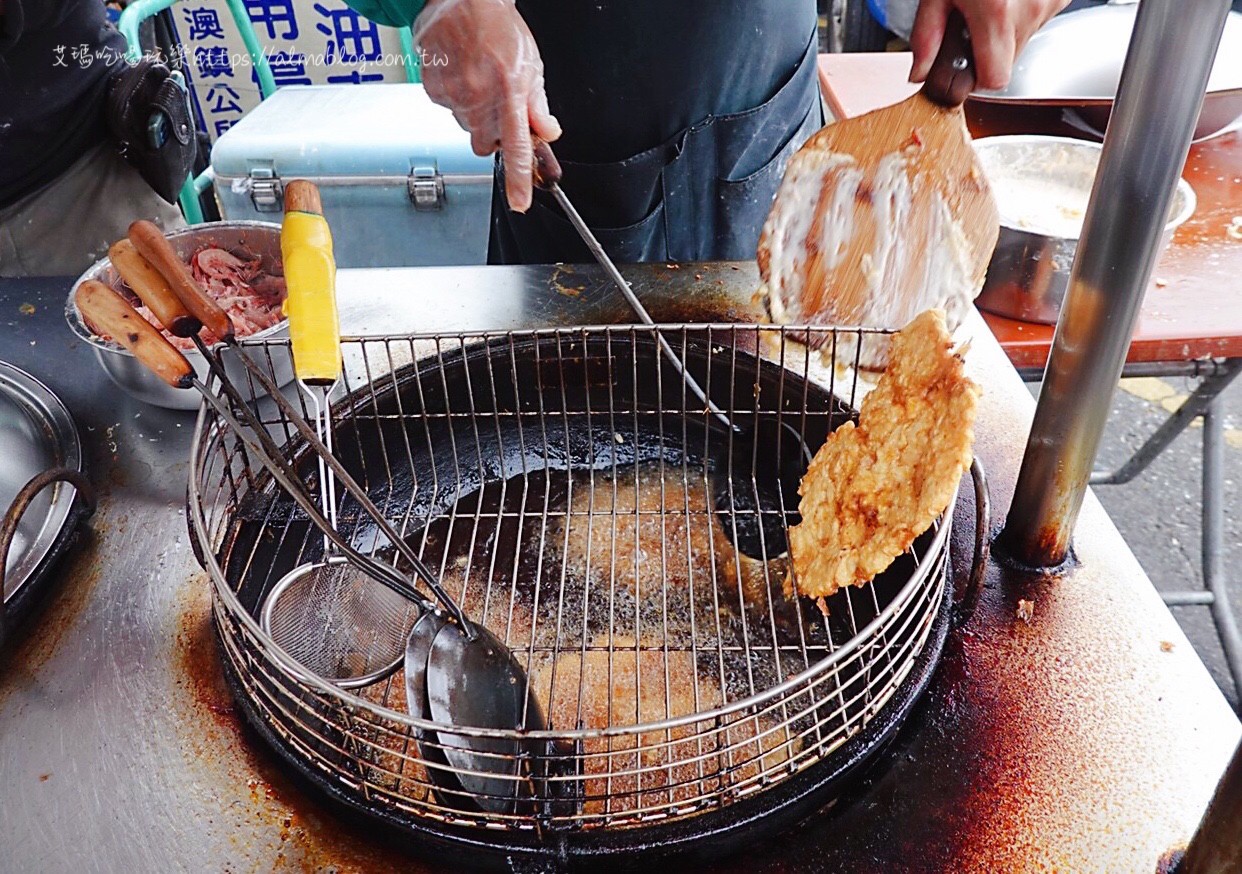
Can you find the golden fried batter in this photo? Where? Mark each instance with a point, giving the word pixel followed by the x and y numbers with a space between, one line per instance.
pixel 619 683
pixel 654 533
pixel 389 754
pixel 649 528
pixel 871 489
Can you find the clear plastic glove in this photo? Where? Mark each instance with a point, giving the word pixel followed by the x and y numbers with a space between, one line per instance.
pixel 998 31
pixel 483 64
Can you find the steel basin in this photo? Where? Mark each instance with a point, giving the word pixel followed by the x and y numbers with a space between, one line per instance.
pixel 261 238
pixel 1041 186
pixel 37 434
pixel 1095 42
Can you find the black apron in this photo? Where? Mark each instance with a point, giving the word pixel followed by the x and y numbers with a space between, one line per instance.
pixel 702 195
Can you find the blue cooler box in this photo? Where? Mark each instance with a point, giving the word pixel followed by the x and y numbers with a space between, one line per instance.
pixel 400 185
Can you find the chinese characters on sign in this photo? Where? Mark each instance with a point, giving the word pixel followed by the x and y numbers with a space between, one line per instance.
pixel 272 15
pixel 204 24
pixel 306 42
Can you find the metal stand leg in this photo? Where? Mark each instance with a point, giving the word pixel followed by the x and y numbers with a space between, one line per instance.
pixel 1203 401
pixel 1213 532
pixel 1196 405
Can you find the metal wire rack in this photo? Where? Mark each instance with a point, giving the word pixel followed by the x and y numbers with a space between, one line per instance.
pixel 629 549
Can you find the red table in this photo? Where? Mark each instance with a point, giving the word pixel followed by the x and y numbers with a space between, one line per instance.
pixel 1191 318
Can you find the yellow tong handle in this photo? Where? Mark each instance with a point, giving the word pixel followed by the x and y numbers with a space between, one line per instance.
pixel 310 277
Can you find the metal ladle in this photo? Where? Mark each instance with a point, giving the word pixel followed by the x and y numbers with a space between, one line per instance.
pixel 441 674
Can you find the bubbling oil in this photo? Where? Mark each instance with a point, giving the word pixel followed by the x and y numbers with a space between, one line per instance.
pixel 633 558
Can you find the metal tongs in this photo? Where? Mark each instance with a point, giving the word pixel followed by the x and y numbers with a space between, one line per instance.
pixel 470 678
pixel 766 534
pixel 547 175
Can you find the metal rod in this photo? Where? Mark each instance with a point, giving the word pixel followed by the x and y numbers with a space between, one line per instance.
pixel 1170 56
pixel 1216 847
pixel 323 428
pixel 352 488
pixel 287 479
pixel 1213 521
pixel 267 450
pixel 601 257
pixel 1187 599
pixel 264 448
pixel 1195 367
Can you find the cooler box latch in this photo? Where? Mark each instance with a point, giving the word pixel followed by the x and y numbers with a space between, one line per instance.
pixel 426 188
pixel 266 192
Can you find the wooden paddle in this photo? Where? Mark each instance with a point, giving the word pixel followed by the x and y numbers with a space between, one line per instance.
pixel 882 216
pixel 105 311
pixel 150 243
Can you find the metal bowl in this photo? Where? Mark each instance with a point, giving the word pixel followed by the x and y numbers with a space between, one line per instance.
pixel 260 238
pixel 1042 185
pixel 1095 41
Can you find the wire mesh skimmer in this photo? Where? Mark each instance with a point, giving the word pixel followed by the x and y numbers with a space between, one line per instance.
pixel 582 505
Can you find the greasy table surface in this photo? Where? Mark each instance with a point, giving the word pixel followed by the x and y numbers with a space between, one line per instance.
pixel 1088 738
pixel 1193 307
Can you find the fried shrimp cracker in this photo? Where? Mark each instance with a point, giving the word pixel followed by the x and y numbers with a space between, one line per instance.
pixel 872 488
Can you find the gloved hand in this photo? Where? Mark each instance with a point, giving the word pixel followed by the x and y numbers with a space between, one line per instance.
pixel 998 31
pixel 483 64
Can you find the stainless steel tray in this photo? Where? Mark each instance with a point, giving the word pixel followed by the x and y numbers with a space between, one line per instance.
pixel 36 434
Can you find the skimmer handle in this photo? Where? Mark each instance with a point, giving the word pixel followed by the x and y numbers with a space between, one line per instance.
pixel 310 276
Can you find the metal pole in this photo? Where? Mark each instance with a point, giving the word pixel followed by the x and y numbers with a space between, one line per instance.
pixel 1216 847
pixel 1162 86
pixel 1213 520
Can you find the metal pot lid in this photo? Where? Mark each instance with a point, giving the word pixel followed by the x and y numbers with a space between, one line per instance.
pixel 1096 39
pixel 36 434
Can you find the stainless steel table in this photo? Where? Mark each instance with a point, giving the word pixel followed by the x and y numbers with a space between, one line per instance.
pixel 1088 738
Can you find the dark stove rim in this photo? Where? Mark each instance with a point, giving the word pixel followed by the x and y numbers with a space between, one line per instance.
pixel 703 837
